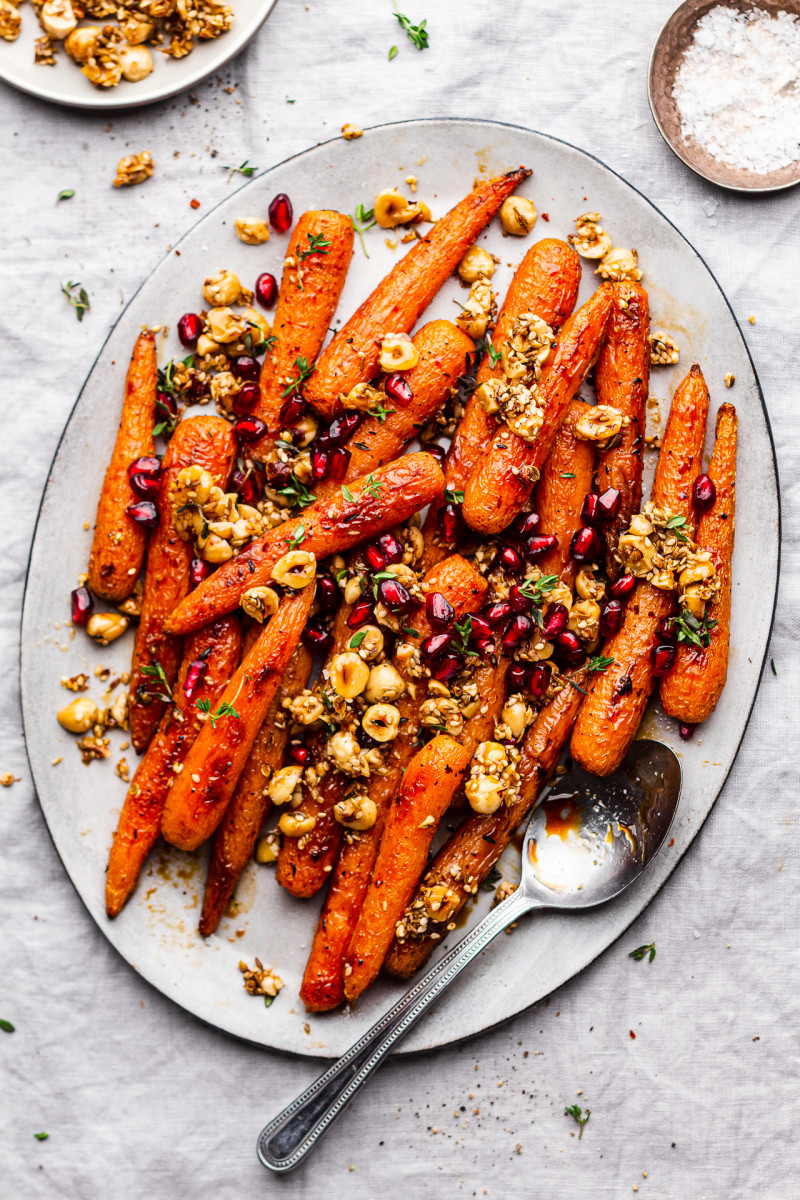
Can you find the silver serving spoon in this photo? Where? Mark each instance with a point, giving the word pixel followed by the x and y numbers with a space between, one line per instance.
pixel 587 841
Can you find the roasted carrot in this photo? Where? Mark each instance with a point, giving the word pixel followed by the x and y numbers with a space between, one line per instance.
pixel 119 543
pixel 503 479
pixel 201 793
pixel 219 646
pixel 314 271
pixel 238 831
pixel 403 295
pixel 431 779
pixel 694 685
pixel 323 981
pixel 444 352
pixel 466 860
pixel 565 480
pixel 622 378
pixel 618 696
pixel 204 442
pixel 363 509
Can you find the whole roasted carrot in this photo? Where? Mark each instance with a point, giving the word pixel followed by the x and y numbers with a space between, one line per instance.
pixel 314 272
pixel 218 646
pixel 238 831
pixel 466 860
pixel 566 478
pixel 201 793
pixel 323 981
pixel 119 543
pixel 694 685
pixel 358 511
pixel 399 300
pixel 618 696
pixel 431 779
pixel 504 477
pixel 205 442
pixel 622 379
pixel 444 352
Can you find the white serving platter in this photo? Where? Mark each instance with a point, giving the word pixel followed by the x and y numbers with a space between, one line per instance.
pixel 156 933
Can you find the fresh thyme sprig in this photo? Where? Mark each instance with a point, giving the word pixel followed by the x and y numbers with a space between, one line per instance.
pixel 688 629
pixel 317 244
pixel 245 169
pixel 296 493
pixel 304 372
pixel 642 951
pixel 155 670
pixel 372 487
pixel 363 220
pixel 380 412
pixel 77 297
pixel 600 663
pixel 578 1115
pixel 416 34
pixel 225 710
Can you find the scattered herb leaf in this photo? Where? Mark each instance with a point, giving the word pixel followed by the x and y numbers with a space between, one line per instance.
pixel 41 1137
pixel 392 53
pixel 317 244
pixel 363 220
pixel 453 495
pixel 77 297
pixel 299 537
pixel 416 34
pixel 641 951
pixel 304 372
pixel 67 194
pixel 491 881
pixel 689 629
pixel 357 639
pixel 772 664
pixel 244 169
pixel 600 663
pixel 373 488
pixel 578 1115
pixel 155 670
pixel 347 494
pixel 296 493
pixel 535 589
pixel 6 1026
pixel 676 524
pixel 567 475
pixel 225 710
pixel 380 412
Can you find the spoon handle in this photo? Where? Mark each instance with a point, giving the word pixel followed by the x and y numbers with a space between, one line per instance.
pixel 286 1141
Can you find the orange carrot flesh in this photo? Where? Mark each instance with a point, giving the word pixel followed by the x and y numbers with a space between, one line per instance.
pixel 692 689
pixel 206 442
pixel 431 779
pixel 680 459
pixel 238 831
pixel 310 289
pixel 119 543
pixel 403 295
pixel 565 480
pixel 504 478
pixel 622 378
pixel 382 499
pixel 202 791
pixel 140 819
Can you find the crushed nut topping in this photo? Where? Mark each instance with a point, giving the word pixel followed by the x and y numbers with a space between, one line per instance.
pixel 655 548
pixel 479 311
pixel 260 980
pixel 214 519
pixel 602 424
pixel 591 240
pixel 134 168
pixel 664 350
pixel 620 265
pixel 76 683
pixel 493 777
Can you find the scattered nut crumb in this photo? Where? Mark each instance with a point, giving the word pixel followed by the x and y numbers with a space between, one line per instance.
pixel 411 180
pixel 123 771
pixel 134 168
pixel 349 132
pixel 664 350
pixel 56 761
pixel 730 380
pixel 752 320
pixel 76 683
pixel 7 779
pixel 253 231
pixel 259 980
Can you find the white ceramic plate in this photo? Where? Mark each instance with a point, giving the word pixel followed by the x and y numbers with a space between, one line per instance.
pixel 156 933
pixel 66 84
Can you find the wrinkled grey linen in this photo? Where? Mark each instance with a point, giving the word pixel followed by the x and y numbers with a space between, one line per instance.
pixel 141 1100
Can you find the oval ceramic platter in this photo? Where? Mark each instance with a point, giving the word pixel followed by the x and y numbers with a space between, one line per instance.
pixel 65 83
pixel 156 933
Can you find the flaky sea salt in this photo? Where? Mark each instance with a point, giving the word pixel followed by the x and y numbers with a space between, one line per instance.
pixel 738 88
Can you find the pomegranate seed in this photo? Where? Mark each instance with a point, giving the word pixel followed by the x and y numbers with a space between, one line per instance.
pixel 248 484
pixel 539 681
pixel 280 213
pixel 143 512
pixel 518 600
pixel 317 638
pixel 449 519
pixel 245 399
pixel 375 558
pixel 704 493
pixel 569 649
pixel 662 659
pixel 608 505
pixel 266 289
pixel 246 367
pixel 394 596
pixel 590 510
pixel 484 646
pixel 320 463
pixel 439 611
pixel 249 429
pixel 327 593
pixel 518 677
pixel 190 326
pixel 146 464
pixel 611 618
pixel 296 752
pixel 198 571
pixel 520 628
pixel 585 545
pixel 343 427
pixel 686 731
pixel 397 389
pixel 555 621
pixel 436 451
pixel 434 645
pixel 479 627
pixel 82 605
pixel 195 674
pixel 446 668
pixel 525 525
pixel 540 544
pixel 392 550
pixel 168 402
pixel 498 612
pixel 361 613
pixel 665 632
pixel 621 588
pixel 510 559
pixel 146 486
pixel 279 473
pixel 292 411
pixel 339 462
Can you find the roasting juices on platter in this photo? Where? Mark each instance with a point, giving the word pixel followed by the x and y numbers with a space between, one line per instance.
pixel 320 678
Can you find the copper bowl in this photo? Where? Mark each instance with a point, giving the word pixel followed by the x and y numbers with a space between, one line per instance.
pixel 671 44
